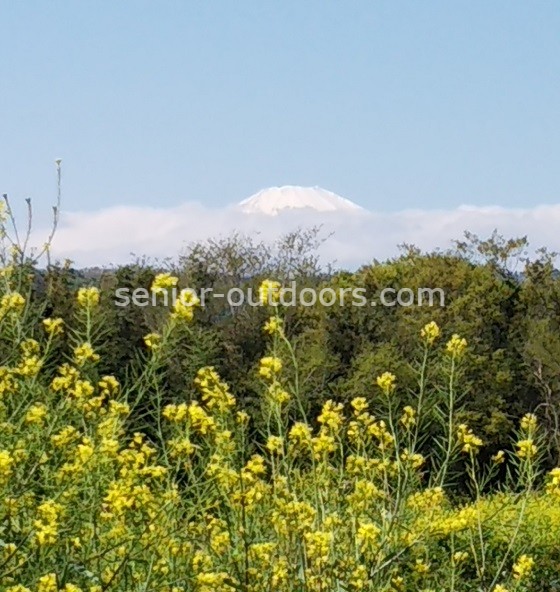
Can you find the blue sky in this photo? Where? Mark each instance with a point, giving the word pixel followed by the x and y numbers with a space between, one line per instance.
pixel 392 104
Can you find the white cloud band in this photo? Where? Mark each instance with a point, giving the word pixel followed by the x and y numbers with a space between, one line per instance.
pixel 109 236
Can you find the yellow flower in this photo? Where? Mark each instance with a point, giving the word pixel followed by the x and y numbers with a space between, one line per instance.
pixel 426 499
pixel 415 460
pixel 71 588
pixel 30 347
pixel 273 325
pixel 331 415
pixel 255 465
pixel 300 433
pixel 430 332
pixel 8 271
pixel 277 394
pixel 6 466
pixel 242 417
pixel 68 376
pixel 270 367
pixel 162 282
pixel 88 297
pixel 47 523
pixel 523 567
pixel 529 423
pixel 47 583
pixel 181 448
pixel 109 386
pixel 200 421
pixel 36 414
pixel 176 413
pixel 408 418
pixel 323 444
pixel 553 485
pixel 84 353
pixel 499 588
pixel 386 382
pixel 269 292
pixel 499 457
pixel 526 449
pixel 318 545
pixel 82 389
pixel 183 307
pixel 8 385
pixel 367 535
pixel 420 567
pixel 53 326
pixel 275 445
pixel 215 392
pixel 152 340
pixel 13 302
pixel 212 582
pixel 359 404
pixel 29 366
pixel 468 441
pixel 64 437
pixel 456 346
pixel 460 557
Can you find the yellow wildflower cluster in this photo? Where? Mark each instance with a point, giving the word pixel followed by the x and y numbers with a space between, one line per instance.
pixel 6 465
pixel 523 567
pixel 526 449
pixel 467 440
pixel 47 523
pixel 414 460
pixel 529 423
pixel 108 386
pixel 368 537
pixel 54 326
pixel 318 546
pixel 270 367
pixel 30 366
pixel 430 333
pixel 277 394
pixel 331 416
pixel 184 306
pixel 11 303
pixel 152 340
pixel 215 393
pixel 85 353
pixel 408 418
pixel 275 445
pixel 36 414
pixel 428 499
pixel 553 483
pixel 386 382
pixel 270 292
pixel 88 298
pixel 499 457
pixel 163 282
pixel 273 326
pixel 456 346
pixel 199 420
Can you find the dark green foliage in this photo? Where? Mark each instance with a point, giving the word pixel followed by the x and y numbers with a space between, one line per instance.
pixel 506 306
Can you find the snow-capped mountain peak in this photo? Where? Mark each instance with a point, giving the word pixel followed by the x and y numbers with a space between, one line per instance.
pixel 274 200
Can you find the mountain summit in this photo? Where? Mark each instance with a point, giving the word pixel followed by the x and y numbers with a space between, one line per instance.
pixel 274 200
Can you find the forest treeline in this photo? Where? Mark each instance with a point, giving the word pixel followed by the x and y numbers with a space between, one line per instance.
pixel 505 304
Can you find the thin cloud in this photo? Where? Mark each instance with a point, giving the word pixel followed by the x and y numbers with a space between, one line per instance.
pixel 111 235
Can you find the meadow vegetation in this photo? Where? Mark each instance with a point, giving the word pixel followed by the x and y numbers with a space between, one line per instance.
pixel 277 449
